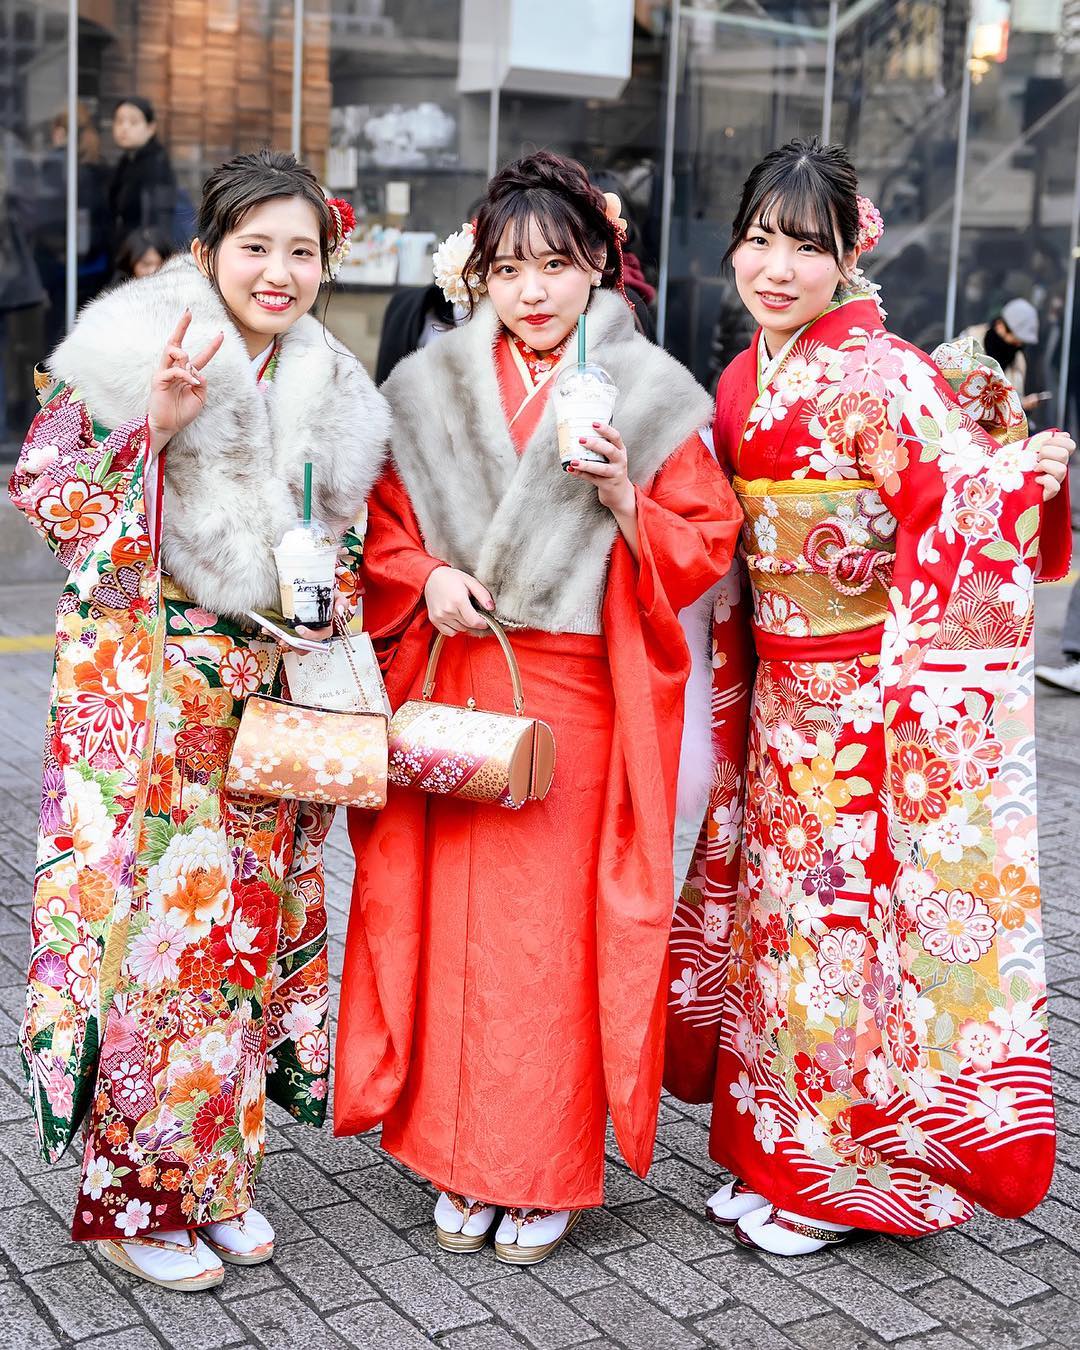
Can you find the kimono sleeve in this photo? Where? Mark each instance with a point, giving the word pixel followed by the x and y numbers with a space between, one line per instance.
pixel 396 563
pixel 73 475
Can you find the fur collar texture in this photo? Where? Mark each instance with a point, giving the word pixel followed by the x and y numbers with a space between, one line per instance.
pixel 234 477
pixel 536 537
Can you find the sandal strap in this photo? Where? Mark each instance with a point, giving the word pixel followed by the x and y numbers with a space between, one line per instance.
pixel 163 1244
pixel 806 1230
pixel 459 1203
pixel 740 1187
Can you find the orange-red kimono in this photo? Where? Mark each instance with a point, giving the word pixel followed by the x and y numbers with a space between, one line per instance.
pixel 504 972
pixel 865 994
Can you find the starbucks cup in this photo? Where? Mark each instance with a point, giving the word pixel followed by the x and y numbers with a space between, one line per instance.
pixel 583 395
pixel 306 562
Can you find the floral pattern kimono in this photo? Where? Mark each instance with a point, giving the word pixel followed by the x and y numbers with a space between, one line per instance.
pixel 861 985
pixel 178 966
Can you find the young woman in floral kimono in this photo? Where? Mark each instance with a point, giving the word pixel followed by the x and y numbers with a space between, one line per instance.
pixel 178 967
pixel 504 972
pixel 873 969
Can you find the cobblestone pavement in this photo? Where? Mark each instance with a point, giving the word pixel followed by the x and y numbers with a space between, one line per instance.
pixel 357 1264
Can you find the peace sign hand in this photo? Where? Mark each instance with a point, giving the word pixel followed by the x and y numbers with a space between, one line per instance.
pixel 178 391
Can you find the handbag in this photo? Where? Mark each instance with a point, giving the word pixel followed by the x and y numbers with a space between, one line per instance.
pixel 300 752
pixel 468 752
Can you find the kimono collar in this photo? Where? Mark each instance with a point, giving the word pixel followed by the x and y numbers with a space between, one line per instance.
pixel 769 366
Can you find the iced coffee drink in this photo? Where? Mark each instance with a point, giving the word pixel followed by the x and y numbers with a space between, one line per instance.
pixel 583 394
pixel 306 561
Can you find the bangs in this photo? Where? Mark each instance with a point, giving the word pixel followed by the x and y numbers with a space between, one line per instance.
pixel 800 212
pixel 557 221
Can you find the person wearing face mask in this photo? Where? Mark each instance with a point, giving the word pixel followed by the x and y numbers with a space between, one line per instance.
pixel 143 189
pixel 503 979
pixel 858 971
pixel 178 962
pixel 1004 339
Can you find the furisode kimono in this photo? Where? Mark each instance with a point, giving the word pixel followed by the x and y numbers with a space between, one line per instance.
pixel 505 971
pixel 861 986
pixel 178 964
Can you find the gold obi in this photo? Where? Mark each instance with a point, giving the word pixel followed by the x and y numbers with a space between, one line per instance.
pixel 819 554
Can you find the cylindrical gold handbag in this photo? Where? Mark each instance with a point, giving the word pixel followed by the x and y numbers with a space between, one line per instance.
pixel 309 754
pixel 468 752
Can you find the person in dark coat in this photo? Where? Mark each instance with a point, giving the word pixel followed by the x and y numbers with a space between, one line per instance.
pixel 143 188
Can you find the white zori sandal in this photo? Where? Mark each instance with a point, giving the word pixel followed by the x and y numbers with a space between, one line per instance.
pixel 728 1205
pixel 783 1233
pixel 461 1224
pixel 527 1236
pixel 173 1259
pixel 246 1240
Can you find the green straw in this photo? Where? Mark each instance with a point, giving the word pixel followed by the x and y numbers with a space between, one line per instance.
pixel 581 341
pixel 307 492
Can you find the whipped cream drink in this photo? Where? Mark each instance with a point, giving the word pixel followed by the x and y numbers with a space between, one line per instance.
pixel 583 395
pixel 306 560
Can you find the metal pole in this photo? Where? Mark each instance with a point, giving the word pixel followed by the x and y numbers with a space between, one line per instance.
pixel 1070 296
pixel 958 185
pixel 71 242
pixel 668 190
pixel 830 71
pixel 297 76
pixel 493 131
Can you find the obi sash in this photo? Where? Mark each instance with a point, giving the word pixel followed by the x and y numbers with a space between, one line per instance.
pixel 819 554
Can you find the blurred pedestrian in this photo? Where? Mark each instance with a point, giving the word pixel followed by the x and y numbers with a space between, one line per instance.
pixel 1005 337
pixel 143 188
pixel 1067 676
pixel 143 253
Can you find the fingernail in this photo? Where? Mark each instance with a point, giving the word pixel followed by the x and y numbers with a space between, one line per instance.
pixel 597 425
pixel 581 440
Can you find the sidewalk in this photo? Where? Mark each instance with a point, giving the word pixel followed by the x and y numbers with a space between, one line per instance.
pixel 357 1263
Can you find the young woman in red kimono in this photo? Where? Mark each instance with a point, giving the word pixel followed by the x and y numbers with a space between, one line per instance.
pixel 504 973
pixel 863 993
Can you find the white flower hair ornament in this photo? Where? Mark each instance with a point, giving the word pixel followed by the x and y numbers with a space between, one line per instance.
pixel 342 224
pixel 448 264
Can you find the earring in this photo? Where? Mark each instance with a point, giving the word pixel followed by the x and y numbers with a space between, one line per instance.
pixel 596 279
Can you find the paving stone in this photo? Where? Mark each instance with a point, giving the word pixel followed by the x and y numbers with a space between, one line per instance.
pixel 747 1278
pixel 957 1255
pixel 1000 1235
pixel 536 1313
pixel 464 1268
pixel 898 1266
pixel 629 1320
pixel 1052 1262
pixel 196 1322
pixel 834 1331
pixel 81 1302
pixel 360 1236
pixel 33 1238
pixel 374 1326
pixel 21 1327
pixel 321 1274
pixel 302 1185
pixel 678 1180
pixel 686 1235
pixel 135 1338
pixel 737 1328
pixel 391 1196
pixel 955 1306
pixel 1056 1318
pixel 599 1231
pixel 288 1225
pixel 667 1281
pixel 489 1337
pixel 622 1187
pixel 687 1139
pixel 887 1314
pixel 279 1320
pixel 433 1301
pixel 569 1271
pixel 12 1189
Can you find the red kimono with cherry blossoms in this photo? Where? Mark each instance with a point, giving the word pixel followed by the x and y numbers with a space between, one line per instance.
pixel 857 962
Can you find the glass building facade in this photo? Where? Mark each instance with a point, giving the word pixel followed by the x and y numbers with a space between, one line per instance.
pixel 963 117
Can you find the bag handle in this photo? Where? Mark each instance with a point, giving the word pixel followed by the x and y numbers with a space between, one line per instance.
pixel 508 652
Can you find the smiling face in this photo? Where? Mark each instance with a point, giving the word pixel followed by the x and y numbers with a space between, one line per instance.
pixel 538 297
pixel 269 269
pixel 783 281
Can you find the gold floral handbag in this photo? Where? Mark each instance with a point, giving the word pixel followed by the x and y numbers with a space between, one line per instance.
pixel 309 754
pixel 470 753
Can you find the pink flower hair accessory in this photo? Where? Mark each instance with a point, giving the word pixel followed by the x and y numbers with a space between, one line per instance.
pixel 871 225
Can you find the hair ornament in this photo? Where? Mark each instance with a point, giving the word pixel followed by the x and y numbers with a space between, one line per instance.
pixel 343 222
pixel 871 225
pixel 448 264
pixel 613 211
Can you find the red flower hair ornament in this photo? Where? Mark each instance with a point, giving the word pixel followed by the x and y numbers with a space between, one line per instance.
pixel 342 224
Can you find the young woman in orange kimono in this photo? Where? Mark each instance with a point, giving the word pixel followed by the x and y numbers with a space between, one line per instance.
pixel 864 998
pixel 503 981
